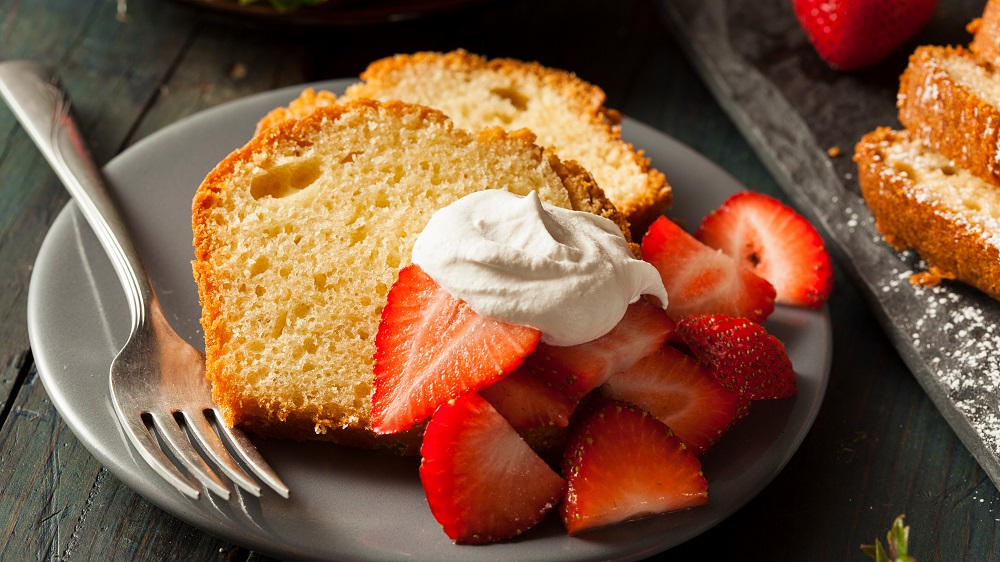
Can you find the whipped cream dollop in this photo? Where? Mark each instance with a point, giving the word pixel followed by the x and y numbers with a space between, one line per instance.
pixel 567 273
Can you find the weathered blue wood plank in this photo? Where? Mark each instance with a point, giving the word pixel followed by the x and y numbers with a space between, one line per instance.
pixel 58 503
pixel 61 504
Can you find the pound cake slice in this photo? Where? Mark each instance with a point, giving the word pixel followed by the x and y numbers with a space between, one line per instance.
pixel 924 201
pixel 986 42
pixel 951 103
pixel 300 234
pixel 566 113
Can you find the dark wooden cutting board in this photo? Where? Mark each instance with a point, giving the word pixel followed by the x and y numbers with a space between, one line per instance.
pixel 792 108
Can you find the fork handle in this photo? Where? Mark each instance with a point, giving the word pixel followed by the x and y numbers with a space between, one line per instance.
pixel 41 105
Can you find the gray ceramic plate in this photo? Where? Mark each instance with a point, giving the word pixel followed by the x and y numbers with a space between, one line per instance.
pixel 350 504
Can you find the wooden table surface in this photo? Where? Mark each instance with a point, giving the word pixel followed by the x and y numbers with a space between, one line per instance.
pixel 877 449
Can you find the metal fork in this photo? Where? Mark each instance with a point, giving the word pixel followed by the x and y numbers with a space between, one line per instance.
pixel 157 380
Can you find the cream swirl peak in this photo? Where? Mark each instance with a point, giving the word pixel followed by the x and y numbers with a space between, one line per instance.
pixel 567 273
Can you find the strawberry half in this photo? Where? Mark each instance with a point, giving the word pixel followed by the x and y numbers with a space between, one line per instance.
pixel 775 242
pixel 483 482
pixel 431 347
pixel 578 369
pixel 621 463
pixel 853 34
pixel 700 280
pixel 740 354
pixel 677 390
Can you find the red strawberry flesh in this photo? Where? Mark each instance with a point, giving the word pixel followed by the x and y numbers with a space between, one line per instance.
pixel 528 402
pixel 432 347
pixel 676 389
pixel 775 242
pixel 578 369
pixel 483 482
pixel 740 354
pixel 701 280
pixel 853 34
pixel 621 464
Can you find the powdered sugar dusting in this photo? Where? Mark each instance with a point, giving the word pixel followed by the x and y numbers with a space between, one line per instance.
pixel 961 198
pixel 952 328
pixel 956 330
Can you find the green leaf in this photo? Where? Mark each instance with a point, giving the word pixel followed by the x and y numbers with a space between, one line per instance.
pixel 898 539
pixel 876 551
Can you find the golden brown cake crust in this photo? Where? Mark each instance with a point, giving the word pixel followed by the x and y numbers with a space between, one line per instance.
pixel 584 193
pixel 908 221
pixel 986 42
pixel 948 116
pixel 300 107
pixel 640 209
pixel 248 411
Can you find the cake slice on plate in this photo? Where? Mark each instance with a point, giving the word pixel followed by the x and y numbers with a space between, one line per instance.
pixel 566 113
pixel 300 234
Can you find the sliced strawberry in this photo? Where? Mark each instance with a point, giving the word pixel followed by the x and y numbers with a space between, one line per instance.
pixel 578 369
pixel 775 242
pixel 538 412
pixel 431 347
pixel 621 463
pixel 483 482
pixel 677 390
pixel 700 280
pixel 740 354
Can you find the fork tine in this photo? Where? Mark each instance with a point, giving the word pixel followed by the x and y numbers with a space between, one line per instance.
pixel 185 452
pixel 249 454
pixel 150 451
pixel 213 447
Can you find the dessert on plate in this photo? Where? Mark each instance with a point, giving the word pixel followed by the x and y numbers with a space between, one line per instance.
pixel 373 274
pixel 300 234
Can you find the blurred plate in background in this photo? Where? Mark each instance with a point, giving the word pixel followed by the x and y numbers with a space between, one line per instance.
pixel 332 12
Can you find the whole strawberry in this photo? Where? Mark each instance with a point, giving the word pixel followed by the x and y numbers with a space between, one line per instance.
pixel 853 34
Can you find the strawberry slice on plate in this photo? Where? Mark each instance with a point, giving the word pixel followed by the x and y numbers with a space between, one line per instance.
pixel 740 354
pixel 775 242
pixel 676 389
pixel 431 347
pixel 538 412
pixel 576 370
pixel 483 483
pixel 621 463
pixel 701 280
pixel 527 401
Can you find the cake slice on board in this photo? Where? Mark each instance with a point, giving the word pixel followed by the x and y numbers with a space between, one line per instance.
pixel 986 42
pixel 935 187
pixel 951 103
pixel 921 200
